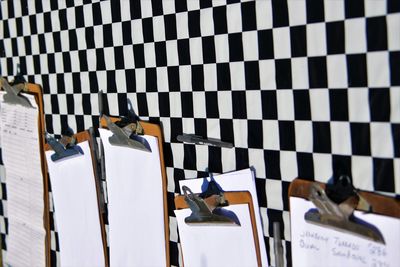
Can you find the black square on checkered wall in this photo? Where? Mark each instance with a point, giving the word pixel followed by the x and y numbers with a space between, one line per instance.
pixel 360 139
pixel 283 73
pixel 287 137
pixel 298 41
pixel 376 33
pixel 335 37
pixel 302 106
pixel 357 70
pixel 338 102
pixel 379 104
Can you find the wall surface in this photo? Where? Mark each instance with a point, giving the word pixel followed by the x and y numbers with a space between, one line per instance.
pixel 301 88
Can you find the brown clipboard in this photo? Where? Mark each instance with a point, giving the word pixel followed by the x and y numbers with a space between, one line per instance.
pixel 82 137
pixel 234 198
pixel 380 204
pixel 155 130
pixel 36 91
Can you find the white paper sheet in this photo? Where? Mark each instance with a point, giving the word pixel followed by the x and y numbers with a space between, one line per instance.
pixel 24 181
pixel 76 209
pixel 242 180
pixel 209 246
pixel 313 245
pixel 135 204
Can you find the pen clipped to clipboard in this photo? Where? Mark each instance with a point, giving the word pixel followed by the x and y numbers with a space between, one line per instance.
pixel 342 226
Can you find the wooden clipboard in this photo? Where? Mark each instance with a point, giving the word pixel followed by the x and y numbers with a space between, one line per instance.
pixel 82 137
pixel 36 91
pixel 380 204
pixel 155 130
pixel 234 198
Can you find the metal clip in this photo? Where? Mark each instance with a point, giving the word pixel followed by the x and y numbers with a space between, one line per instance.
pixel 12 95
pixel 126 137
pixel 339 217
pixel 63 151
pixel 199 140
pixel 203 211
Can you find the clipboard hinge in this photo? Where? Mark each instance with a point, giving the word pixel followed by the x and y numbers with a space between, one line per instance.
pixel 64 148
pixel 127 136
pixel 204 211
pixel 339 216
pixel 13 95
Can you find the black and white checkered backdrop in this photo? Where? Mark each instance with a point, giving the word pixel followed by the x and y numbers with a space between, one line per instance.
pixel 301 88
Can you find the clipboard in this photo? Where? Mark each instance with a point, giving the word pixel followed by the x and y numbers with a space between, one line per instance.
pixel 82 137
pixel 36 91
pixel 234 198
pixel 155 130
pixel 327 238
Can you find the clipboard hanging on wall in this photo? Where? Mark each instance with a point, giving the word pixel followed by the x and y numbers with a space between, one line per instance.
pixel 137 193
pixel 80 224
pixel 22 136
pixel 322 230
pixel 215 241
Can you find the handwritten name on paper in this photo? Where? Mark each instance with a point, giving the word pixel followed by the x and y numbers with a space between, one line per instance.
pixel 313 245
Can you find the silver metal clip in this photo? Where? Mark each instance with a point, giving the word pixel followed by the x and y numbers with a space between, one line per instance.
pixel 203 213
pixel 13 95
pixel 125 137
pixel 199 140
pixel 62 151
pixel 338 217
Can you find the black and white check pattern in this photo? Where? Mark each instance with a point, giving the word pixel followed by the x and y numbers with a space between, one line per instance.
pixel 301 88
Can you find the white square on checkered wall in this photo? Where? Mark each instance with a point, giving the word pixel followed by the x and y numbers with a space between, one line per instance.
pixel 206 22
pixel 237 75
pixel 381 140
pixel 140 75
pixel 288 165
pixel 396 165
pixel 201 157
pixel 395 104
pixel 98 36
pixel 137 31
pixel 362 172
pixel 358 104
pixel 185 78
pixel 88 11
pixel 267 74
pixel 299 73
pixel 85 83
pixel 149 55
pixel 146 8
pixel 129 60
pixel 221 48
pixel 297 13
pixel 378 69
pixel 254 105
pixel 175 104
pixel 182 29
pixel 240 133
pixel 250 45
pixel 234 18
pixel 228 159
pixel 120 81
pixel 105 7
pixel 355 36
pixel 152 104
pixel 158 28
pixel 285 103
pixel 196 51
pixel 117 37
pixel 282 47
pixel 109 58
pixel 316 39
pixel 264 14
pixel 91 59
pixel 199 105
pixel 256 160
pixel 319 102
pixel 210 77
pixel 169 7
pixel 322 167
pixel 273 188
pixel 340 138
pixel 334 10
pixel 225 104
pixel 304 136
pixel 393 22
pixel 375 8
pixel 337 71
pixel 271 135
pixel 78 108
pixel 162 79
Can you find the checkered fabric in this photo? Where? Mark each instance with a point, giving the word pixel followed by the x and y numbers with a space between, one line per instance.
pixel 301 88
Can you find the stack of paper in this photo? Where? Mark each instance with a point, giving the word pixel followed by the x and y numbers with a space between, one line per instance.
pixel 223 245
pixel 76 209
pixel 24 181
pixel 135 204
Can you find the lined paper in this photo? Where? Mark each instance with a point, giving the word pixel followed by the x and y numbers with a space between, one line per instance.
pixel 24 181
pixel 76 209
pixel 313 244
pixel 135 204
pixel 242 180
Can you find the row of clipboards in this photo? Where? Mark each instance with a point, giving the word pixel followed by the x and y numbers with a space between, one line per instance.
pixel 218 218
